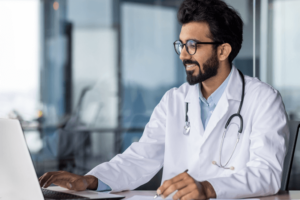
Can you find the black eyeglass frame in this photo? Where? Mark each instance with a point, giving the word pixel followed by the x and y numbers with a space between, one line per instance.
pixel 187 49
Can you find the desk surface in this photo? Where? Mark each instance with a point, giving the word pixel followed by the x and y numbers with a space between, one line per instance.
pixel 280 196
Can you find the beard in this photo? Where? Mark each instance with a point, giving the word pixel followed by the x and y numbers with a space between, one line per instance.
pixel 210 68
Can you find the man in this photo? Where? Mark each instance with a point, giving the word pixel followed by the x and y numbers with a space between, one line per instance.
pixel 218 167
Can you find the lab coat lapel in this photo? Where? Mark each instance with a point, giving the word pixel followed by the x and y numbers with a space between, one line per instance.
pixel 232 91
pixel 234 87
pixel 218 113
pixel 194 111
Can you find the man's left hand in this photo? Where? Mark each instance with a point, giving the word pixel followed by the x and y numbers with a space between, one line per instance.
pixel 187 188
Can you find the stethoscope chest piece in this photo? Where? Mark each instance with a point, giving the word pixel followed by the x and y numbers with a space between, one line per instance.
pixel 186 128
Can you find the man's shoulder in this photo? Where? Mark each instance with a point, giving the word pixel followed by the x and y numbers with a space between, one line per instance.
pixel 255 86
pixel 179 91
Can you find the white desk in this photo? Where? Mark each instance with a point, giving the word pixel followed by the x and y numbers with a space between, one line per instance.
pixel 280 196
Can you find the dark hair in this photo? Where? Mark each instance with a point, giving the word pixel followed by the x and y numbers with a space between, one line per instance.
pixel 224 22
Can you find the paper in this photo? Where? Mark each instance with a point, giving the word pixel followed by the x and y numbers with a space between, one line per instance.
pixel 138 197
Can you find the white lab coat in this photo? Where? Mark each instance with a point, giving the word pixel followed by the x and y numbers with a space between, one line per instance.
pixel 258 158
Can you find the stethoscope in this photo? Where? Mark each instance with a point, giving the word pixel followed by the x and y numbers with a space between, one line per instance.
pixel 187 127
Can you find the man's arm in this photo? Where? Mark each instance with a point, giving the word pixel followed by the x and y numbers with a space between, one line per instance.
pixel 137 165
pixel 142 160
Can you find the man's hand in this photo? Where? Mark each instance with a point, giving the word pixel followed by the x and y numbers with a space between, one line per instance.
pixel 69 181
pixel 188 188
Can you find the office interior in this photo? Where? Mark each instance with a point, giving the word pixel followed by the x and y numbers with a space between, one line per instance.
pixel 83 77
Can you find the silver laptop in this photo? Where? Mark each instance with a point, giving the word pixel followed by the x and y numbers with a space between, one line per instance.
pixel 18 179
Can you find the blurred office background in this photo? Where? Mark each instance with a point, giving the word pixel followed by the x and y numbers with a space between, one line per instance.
pixel 83 77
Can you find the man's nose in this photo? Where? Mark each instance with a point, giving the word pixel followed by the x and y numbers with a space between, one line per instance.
pixel 184 55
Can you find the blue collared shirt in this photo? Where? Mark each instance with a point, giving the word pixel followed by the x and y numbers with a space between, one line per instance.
pixel 102 186
pixel 209 105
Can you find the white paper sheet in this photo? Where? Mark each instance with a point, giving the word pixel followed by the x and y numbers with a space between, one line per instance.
pixel 138 197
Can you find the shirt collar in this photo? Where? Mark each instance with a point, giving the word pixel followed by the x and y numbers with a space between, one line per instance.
pixel 216 95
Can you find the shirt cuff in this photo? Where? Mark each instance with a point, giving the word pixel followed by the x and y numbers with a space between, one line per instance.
pixel 102 186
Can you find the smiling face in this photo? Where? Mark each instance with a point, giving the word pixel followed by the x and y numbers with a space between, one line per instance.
pixel 204 63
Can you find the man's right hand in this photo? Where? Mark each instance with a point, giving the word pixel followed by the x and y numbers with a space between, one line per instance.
pixel 69 181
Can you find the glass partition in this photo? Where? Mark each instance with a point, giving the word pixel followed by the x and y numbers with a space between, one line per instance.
pixel 150 66
pixel 278 39
pixel 244 60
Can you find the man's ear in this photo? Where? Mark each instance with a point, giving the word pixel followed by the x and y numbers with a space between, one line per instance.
pixel 223 51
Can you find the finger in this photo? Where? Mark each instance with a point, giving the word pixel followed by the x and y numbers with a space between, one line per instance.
pixel 181 176
pixel 64 184
pixel 78 184
pixel 48 182
pixel 182 194
pixel 45 174
pixel 55 179
pixel 191 195
pixel 48 174
pixel 176 186
pixel 167 183
pixel 56 172
pixel 81 184
pixel 41 177
pixel 44 178
pixel 72 186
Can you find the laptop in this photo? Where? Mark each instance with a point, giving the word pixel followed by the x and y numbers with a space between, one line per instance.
pixel 18 179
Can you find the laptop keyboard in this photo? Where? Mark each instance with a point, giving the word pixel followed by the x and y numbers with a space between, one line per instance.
pixel 49 194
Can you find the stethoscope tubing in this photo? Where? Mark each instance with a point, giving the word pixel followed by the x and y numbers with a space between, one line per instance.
pixel 187 126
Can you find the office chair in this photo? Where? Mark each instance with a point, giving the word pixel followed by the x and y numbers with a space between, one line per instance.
pixel 294 127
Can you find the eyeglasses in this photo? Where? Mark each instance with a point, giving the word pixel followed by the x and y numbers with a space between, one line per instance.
pixel 190 45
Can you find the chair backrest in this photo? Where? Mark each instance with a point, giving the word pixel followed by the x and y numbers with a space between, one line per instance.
pixel 294 127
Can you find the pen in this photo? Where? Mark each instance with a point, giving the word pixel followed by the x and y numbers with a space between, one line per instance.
pixel 157 195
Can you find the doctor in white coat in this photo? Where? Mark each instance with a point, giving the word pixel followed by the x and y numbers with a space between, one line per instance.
pixel 210 38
